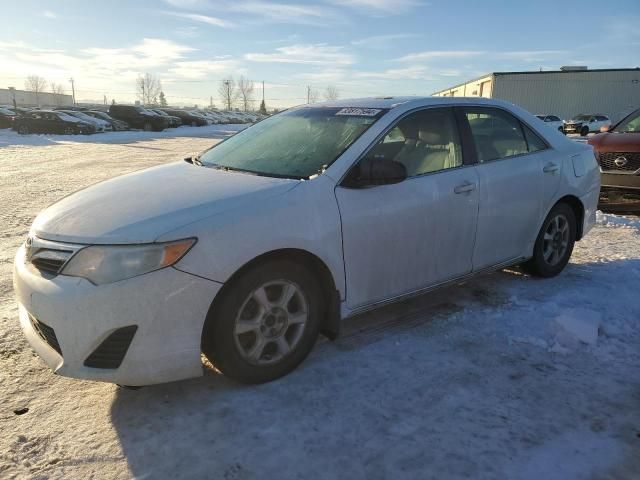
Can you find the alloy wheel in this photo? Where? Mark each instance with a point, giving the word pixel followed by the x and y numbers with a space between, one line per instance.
pixel 556 240
pixel 270 322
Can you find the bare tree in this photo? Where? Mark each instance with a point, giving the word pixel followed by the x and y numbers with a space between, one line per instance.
pixel 35 84
pixel 331 93
pixel 228 92
pixel 57 89
pixel 245 91
pixel 148 89
pixel 312 95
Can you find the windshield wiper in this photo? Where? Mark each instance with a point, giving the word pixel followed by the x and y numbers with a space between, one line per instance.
pixel 226 168
pixel 194 160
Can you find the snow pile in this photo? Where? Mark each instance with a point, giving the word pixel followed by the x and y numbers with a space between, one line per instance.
pixel 609 220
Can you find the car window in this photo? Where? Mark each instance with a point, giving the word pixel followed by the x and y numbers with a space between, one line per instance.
pixel 424 142
pixel 553 118
pixel 534 142
pixel 630 124
pixel 496 133
pixel 601 118
pixel 36 115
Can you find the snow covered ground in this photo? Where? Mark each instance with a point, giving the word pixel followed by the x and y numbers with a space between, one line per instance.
pixel 505 376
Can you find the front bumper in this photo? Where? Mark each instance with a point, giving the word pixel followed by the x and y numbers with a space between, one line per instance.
pixel 621 181
pixel 168 307
pixel 573 128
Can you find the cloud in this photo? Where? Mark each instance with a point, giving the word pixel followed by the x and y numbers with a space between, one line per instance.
pixel 199 69
pixel 377 7
pixel 417 72
pixel 195 17
pixel 288 12
pixel 309 54
pixel 521 55
pixel 382 41
pixel 49 14
pixel 431 54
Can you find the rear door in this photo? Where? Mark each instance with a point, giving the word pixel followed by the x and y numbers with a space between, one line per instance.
pixel 513 163
pixel 410 235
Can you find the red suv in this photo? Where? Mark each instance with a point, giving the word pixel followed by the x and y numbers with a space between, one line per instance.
pixel 618 152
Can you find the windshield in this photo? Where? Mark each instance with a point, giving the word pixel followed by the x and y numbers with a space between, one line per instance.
pixel 100 115
pixel 296 143
pixel 66 117
pixel 631 124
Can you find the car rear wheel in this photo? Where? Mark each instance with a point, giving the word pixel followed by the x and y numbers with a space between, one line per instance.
pixel 265 324
pixel 148 127
pixel 69 130
pixel 584 131
pixel 23 129
pixel 554 243
pixel 194 124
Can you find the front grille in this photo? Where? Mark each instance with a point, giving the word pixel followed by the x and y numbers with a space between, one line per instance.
pixel 46 333
pixel 110 353
pixel 48 265
pixel 608 161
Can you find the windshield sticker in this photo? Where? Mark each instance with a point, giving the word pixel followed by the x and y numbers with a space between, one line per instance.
pixel 360 112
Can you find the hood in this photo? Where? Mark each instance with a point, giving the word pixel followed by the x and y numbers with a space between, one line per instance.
pixel 616 142
pixel 141 206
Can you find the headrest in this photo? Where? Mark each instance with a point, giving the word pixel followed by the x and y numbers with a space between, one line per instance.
pixel 433 130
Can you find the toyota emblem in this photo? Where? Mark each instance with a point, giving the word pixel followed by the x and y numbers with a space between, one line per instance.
pixel 620 161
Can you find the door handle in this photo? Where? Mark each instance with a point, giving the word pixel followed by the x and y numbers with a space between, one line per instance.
pixel 551 168
pixel 464 188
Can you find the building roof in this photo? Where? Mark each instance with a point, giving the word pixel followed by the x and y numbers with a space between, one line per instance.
pixel 540 72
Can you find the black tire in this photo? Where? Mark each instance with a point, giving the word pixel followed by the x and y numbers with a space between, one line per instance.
pixel 219 342
pixel 584 131
pixel 23 130
pixel 147 127
pixel 194 124
pixel 538 265
pixel 561 130
pixel 70 131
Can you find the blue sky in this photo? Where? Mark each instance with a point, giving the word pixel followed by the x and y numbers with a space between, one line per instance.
pixel 362 47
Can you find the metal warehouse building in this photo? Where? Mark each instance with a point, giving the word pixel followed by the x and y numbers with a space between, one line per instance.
pixel 565 92
pixel 32 99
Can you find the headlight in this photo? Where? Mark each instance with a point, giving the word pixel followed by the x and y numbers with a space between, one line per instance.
pixel 102 264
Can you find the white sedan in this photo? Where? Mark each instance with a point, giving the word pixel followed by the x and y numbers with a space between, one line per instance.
pixel 250 250
pixel 552 121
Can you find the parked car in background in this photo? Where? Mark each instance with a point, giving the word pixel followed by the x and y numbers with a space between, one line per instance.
pixel 315 214
pixel 173 120
pixel 618 152
pixel 552 121
pixel 49 121
pixel 116 125
pixel 585 124
pixel 187 117
pixel 138 117
pixel 6 117
pixel 101 125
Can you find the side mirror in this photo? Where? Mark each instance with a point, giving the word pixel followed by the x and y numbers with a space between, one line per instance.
pixel 605 129
pixel 376 171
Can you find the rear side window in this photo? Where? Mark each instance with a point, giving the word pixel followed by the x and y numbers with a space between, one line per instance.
pixel 534 142
pixel 553 118
pixel 496 134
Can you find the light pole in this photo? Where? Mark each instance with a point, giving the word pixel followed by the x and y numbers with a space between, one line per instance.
pixel 13 94
pixel 73 91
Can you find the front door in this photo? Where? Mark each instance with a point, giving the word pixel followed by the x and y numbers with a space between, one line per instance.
pixel 410 235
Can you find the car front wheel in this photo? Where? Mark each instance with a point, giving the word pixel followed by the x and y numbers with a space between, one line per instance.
pixel 265 324
pixel 584 132
pixel 554 243
pixel 148 127
pixel 23 130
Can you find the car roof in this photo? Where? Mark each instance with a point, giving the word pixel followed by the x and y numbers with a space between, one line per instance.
pixel 408 101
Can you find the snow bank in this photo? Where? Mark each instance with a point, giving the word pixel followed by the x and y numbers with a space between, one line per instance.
pixel 610 220
pixel 10 138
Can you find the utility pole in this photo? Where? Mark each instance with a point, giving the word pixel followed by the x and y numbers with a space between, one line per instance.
pixel 308 94
pixel 73 91
pixel 226 84
pixel 262 91
pixel 211 101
